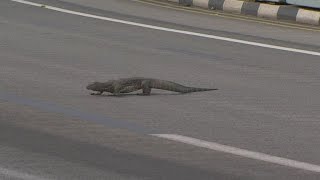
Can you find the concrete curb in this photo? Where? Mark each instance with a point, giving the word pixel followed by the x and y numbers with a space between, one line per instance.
pixel 275 12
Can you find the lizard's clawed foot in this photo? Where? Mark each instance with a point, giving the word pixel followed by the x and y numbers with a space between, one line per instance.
pixel 142 94
pixel 95 94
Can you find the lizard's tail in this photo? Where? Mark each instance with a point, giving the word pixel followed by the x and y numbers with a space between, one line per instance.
pixel 193 89
pixel 172 86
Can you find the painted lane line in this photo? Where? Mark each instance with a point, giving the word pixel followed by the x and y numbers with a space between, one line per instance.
pixel 241 152
pixel 19 175
pixel 172 30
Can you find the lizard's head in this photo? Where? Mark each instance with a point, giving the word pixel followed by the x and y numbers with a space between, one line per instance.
pixel 94 86
pixel 99 86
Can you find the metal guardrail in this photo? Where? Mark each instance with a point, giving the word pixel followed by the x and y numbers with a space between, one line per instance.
pixel 278 1
pixel 306 3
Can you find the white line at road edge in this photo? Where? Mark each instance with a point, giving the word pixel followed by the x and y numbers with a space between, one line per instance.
pixel 171 30
pixel 241 152
pixel 19 175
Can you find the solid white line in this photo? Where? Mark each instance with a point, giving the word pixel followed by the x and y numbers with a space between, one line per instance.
pixel 241 152
pixel 171 30
pixel 15 174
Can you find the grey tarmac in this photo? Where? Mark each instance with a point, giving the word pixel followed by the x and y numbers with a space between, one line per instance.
pixel 268 100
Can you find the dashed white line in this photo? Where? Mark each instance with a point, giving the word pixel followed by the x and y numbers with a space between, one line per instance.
pixel 241 152
pixel 19 175
pixel 172 30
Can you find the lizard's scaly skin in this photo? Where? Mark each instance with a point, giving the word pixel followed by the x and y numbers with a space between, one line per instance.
pixel 127 85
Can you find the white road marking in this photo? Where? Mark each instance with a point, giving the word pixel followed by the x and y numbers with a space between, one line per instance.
pixel 172 30
pixel 241 152
pixel 19 175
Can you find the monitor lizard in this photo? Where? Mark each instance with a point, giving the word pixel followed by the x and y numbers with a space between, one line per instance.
pixel 128 85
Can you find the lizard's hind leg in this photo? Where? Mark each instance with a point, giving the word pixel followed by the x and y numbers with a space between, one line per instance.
pixel 129 89
pixel 146 89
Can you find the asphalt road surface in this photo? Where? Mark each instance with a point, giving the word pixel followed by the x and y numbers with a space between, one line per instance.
pixel 268 100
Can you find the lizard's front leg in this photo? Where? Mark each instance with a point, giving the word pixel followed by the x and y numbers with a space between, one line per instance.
pixel 97 93
pixel 116 89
